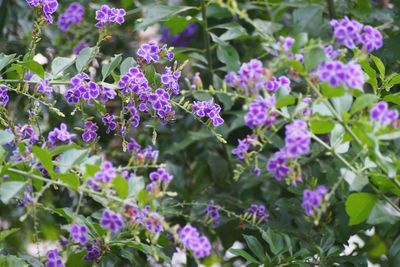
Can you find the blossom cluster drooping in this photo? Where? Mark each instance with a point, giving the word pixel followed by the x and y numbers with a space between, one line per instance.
pixel 72 15
pixel 106 174
pixel 93 252
pixel 54 259
pixel 258 213
pixel 350 33
pixel 212 213
pixel 208 109
pixel 181 39
pixel 336 73
pixel 107 15
pixel 191 239
pixel 4 98
pixel 244 146
pixel 112 221
pixel 382 114
pixel 159 179
pixel 150 52
pixel 60 135
pixel 261 112
pixel 312 199
pixel 48 7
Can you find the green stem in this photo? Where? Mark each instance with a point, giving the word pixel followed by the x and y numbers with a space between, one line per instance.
pixel 206 37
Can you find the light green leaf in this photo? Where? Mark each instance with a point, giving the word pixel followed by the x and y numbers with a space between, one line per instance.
pixel 356 182
pixel 109 68
pixel 9 189
pixel 12 261
pixel 121 186
pixel 383 212
pixel 34 67
pixel 6 60
pixel 362 102
pixel 5 233
pixel 60 64
pixel 83 58
pixel 71 158
pixel 379 65
pixel 313 56
pixel 359 206
pixel 370 72
pixel 321 126
pixel 5 137
pixel 128 63
pixel 70 179
pixel 44 157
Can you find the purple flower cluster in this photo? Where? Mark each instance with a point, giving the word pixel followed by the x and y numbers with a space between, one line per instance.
pixel 159 178
pixel 134 81
pixel 28 198
pixel 133 213
pixel 159 101
pixel 261 112
pixel 273 84
pixel 297 139
pixel 336 73
pixel 135 117
pixel 109 122
pixel 142 155
pixel 153 221
pixel 80 233
pixel 112 221
pixel 209 109
pixel 350 33
pixel 48 7
pixel 73 15
pixel 181 39
pixel 244 146
pixel 312 199
pixel 89 132
pixel 44 87
pixel 4 98
pixel 60 135
pixel 107 15
pixel 191 239
pixel 27 132
pixel 150 52
pixel 80 46
pixel 54 259
pixel 382 114
pixel 171 80
pixel 106 174
pixel 331 53
pixel 277 165
pixel 258 213
pixel 284 45
pixel 93 252
pixel 212 213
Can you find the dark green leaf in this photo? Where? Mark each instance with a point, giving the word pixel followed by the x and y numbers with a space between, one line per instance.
pixel 255 247
pixel 244 254
pixel 44 157
pixel 313 56
pixel 227 54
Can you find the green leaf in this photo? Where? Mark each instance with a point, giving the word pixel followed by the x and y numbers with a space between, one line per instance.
pixel 321 126
pixel 285 100
pixel 71 158
pixel 177 24
pixel 109 68
pixel 227 54
pixel 83 58
pixel 5 233
pixel 60 64
pixel 34 67
pixel 128 63
pixel 370 72
pixel 12 261
pixel 389 136
pixel 275 241
pixel 44 157
pixel 121 186
pixel 225 99
pixel 356 182
pixel 362 102
pixel 308 19
pixel 313 56
pixel 234 31
pixel 393 98
pixel 9 189
pixel 244 254
pixel 5 137
pixel 155 13
pixel 135 185
pixel 393 80
pixel 385 185
pixel 71 179
pixel 6 60
pixel 359 206
pixel 202 96
pixel 330 92
pixel 379 65
pixel 255 247
pixel 383 212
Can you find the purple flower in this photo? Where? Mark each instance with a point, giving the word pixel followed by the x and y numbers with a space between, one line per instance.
pixel 332 72
pixel 133 146
pixel 27 131
pixel 133 213
pixel 371 38
pixel 331 53
pixel 54 259
pixel 347 32
pixel 181 39
pixel 73 15
pixel 170 80
pixel 112 221
pixel 109 122
pixel 106 93
pixel 277 164
pixel 286 43
pixel 169 56
pixel 297 139
pixel 60 134
pixel 81 89
pixel 44 87
pixel 212 213
pixel 106 174
pixel 152 220
pixel 158 178
pixel 80 233
pixel 28 198
pixel 135 117
pixel 261 112
pixel 312 199
pixel 4 98
pixel 106 15
pixel 354 76
pixel 382 114
pixel 241 150
pixel 48 7
pixel 89 132
pixel 159 101
pixel 93 252
pixel 209 109
pixel 134 81
pixel 191 239
pixel 232 79
pixel 150 52
pixel 258 212
pixel 80 46
pixel 251 76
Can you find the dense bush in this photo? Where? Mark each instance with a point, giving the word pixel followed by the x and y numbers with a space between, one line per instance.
pixel 213 133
